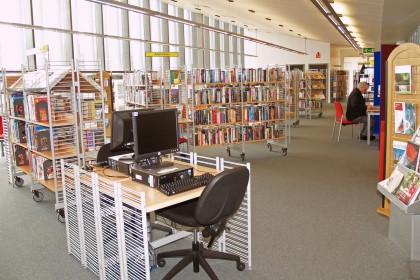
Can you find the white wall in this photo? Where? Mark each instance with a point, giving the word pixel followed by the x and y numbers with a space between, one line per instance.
pixel 269 55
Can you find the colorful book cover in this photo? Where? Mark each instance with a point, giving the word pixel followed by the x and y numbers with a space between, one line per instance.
pixel 408 190
pixel 394 181
pixel 41 108
pixel 403 79
pixel 399 148
pixel 405 117
pixel 410 158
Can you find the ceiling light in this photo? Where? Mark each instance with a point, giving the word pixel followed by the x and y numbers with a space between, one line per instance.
pixel 137 9
pixel 324 6
pixel 252 11
pixel 216 15
pixel 268 18
pixel 281 25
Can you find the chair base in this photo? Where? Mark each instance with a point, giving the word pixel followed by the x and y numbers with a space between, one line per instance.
pixel 197 256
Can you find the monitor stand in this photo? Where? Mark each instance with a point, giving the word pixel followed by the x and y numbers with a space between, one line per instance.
pixel 156 164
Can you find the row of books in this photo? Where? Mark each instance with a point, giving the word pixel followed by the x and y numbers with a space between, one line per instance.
pixel 41 167
pixel 234 133
pixel 17 131
pixel 91 110
pixel 139 96
pixel 235 75
pixel 38 137
pixel 263 113
pixel 137 78
pixel 93 139
pixel 220 95
pixel 219 116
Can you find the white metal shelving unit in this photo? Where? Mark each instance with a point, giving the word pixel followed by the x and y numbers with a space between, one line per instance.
pixel 91 109
pixel 48 99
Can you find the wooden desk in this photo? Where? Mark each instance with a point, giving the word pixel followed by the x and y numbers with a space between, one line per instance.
pixel 375 111
pixel 155 199
pixel 106 219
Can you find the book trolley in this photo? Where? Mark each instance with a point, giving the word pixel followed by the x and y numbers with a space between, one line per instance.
pixel 315 98
pixel 238 105
pixel 107 226
pixel 45 125
pixel 296 85
pixel 404 217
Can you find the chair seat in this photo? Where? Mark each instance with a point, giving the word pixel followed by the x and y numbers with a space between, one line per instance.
pixel 181 213
pixel 347 122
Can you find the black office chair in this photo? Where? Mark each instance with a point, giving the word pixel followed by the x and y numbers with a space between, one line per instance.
pixel 220 199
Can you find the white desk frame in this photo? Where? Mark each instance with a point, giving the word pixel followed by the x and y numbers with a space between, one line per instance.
pixel 106 222
pixel 369 114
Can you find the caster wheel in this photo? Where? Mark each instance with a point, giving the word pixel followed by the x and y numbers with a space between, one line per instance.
pixel 284 152
pixel 293 125
pixel 161 262
pixel 19 182
pixel 240 266
pixel 243 156
pixel 60 216
pixel 228 152
pixel 319 115
pixel 38 196
pixel 270 148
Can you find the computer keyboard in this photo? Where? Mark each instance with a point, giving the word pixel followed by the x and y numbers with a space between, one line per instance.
pixel 187 184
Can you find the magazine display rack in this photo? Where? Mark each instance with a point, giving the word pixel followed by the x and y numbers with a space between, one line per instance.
pixel 91 98
pixel 43 126
pixel 404 55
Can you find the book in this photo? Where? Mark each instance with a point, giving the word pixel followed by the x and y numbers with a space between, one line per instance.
pixel 21 156
pixel 399 148
pixel 394 181
pixel 405 117
pixel 402 79
pixel 41 109
pixel 18 109
pixel 408 189
pixel 410 157
pixel 48 170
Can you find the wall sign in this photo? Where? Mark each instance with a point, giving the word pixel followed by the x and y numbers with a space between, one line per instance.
pixel 151 54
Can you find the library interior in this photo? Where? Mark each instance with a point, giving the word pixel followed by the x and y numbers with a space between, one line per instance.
pixel 197 139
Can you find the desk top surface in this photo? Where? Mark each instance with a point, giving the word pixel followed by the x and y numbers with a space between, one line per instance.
pixel 155 200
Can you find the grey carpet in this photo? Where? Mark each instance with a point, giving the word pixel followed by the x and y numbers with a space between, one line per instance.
pixel 313 217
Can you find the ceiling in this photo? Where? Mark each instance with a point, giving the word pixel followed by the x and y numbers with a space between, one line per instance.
pixel 373 22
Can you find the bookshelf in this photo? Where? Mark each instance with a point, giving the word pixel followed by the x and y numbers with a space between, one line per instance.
pixel 238 105
pixel 43 126
pixel 404 55
pixel 144 89
pixel 297 85
pixel 339 85
pixel 315 95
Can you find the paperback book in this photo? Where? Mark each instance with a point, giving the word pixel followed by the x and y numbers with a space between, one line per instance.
pixel 405 117
pixel 410 158
pixel 403 79
pixel 408 190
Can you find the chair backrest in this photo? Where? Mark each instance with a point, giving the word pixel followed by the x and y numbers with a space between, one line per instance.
pixel 1 125
pixel 338 111
pixel 223 196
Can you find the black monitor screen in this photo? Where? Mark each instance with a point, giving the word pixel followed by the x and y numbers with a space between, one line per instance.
pixel 122 130
pixel 155 134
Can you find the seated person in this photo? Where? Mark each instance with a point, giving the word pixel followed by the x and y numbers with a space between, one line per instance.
pixel 356 110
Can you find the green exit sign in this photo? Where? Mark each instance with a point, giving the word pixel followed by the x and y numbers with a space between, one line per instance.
pixel 368 50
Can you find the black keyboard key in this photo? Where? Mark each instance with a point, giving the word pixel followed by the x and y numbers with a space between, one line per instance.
pixel 186 184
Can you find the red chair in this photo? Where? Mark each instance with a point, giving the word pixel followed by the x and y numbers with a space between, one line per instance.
pixel 1 136
pixel 339 119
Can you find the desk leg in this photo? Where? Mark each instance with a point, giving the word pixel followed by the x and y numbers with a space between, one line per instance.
pixel 368 129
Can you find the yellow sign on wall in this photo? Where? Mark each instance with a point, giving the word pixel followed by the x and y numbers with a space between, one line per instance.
pixel 171 54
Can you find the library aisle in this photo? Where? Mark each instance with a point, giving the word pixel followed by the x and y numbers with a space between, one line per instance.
pixel 313 217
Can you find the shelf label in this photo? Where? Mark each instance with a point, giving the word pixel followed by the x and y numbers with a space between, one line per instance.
pixel 152 54
pixel 368 50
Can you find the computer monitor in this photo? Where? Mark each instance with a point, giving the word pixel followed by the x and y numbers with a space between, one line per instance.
pixel 122 131
pixel 155 134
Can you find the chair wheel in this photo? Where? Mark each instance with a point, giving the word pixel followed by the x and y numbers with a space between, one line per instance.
pixel 240 266
pixel 162 262
pixel 38 196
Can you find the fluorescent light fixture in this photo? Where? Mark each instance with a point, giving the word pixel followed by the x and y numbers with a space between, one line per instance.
pixel 137 9
pixel 324 6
